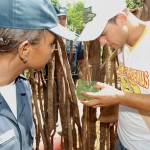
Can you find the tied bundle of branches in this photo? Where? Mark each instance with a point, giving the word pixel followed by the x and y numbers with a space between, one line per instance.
pixel 53 93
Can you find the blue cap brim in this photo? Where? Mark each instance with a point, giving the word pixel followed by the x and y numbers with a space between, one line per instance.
pixel 63 32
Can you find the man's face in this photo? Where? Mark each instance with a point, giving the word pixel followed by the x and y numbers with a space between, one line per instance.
pixel 115 34
pixel 62 20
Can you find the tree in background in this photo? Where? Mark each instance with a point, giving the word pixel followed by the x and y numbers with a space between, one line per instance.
pixel 75 16
pixel 55 2
pixel 134 4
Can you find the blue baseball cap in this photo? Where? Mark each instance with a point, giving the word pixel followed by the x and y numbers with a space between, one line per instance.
pixel 32 14
pixel 61 11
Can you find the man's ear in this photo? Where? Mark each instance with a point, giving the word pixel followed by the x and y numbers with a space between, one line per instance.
pixel 121 18
pixel 24 50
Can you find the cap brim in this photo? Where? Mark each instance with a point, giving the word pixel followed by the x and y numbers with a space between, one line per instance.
pixel 63 32
pixel 93 29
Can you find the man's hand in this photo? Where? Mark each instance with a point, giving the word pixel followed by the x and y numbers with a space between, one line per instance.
pixel 105 97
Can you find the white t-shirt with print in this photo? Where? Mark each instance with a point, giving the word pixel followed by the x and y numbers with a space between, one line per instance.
pixel 132 130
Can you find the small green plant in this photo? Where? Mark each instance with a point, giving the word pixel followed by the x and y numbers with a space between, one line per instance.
pixel 133 4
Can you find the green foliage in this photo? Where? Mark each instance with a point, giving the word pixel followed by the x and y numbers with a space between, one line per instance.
pixel 75 16
pixel 133 4
pixel 26 73
pixel 55 2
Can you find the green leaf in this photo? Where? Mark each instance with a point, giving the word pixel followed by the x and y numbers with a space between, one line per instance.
pixel 86 86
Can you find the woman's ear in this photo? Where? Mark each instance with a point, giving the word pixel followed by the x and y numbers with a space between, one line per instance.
pixel 24 50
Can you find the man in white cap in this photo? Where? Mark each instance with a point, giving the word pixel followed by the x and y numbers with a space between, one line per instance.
pixel 111 23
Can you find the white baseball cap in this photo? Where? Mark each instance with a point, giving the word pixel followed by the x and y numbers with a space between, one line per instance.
pixel 99 12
